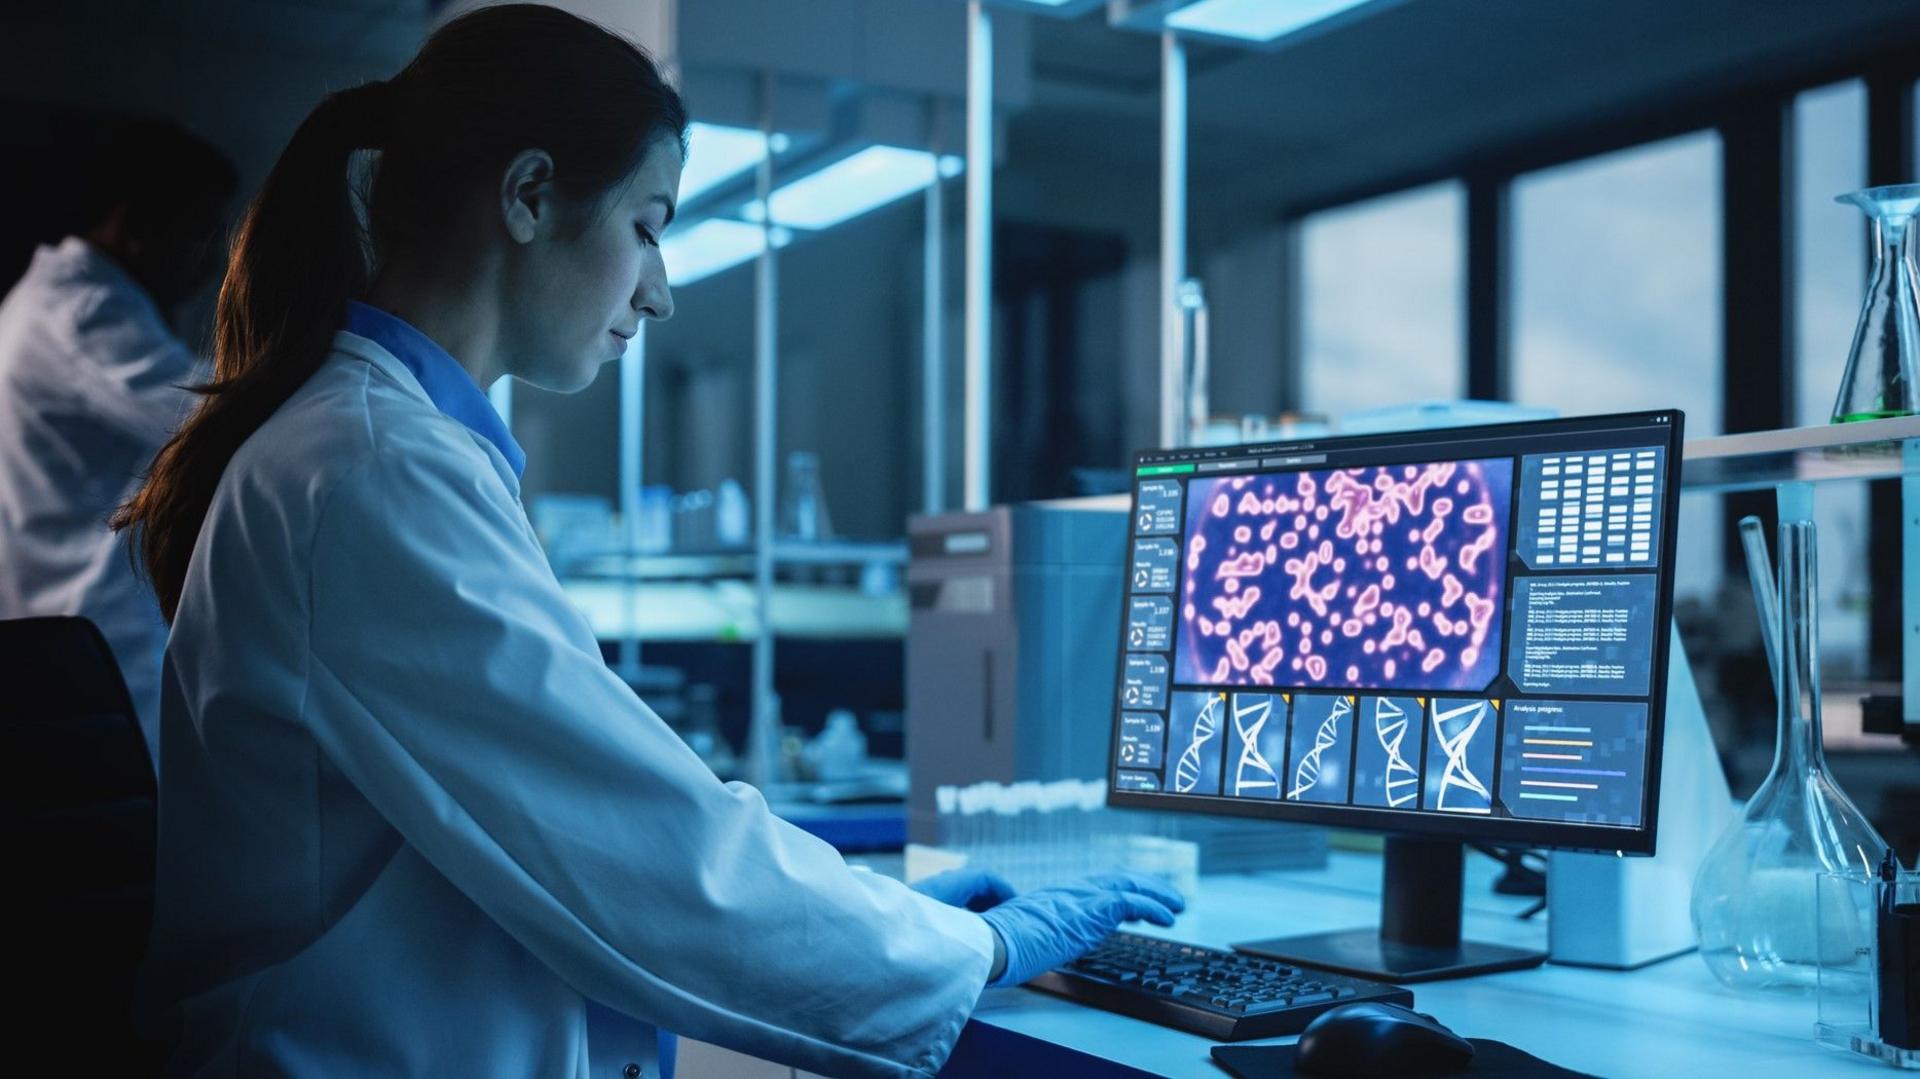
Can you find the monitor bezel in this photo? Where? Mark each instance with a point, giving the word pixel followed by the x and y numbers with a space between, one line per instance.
pixel 1497 830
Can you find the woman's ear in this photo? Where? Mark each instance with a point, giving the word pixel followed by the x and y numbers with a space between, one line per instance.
pixel 527 195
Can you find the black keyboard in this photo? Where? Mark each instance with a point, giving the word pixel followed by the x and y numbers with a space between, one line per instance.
pixel 1220 994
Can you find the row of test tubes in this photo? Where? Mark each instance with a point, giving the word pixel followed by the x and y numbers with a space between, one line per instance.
pixel 1038 834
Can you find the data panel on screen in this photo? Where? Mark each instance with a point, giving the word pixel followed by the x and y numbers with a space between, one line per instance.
pixel 1460 624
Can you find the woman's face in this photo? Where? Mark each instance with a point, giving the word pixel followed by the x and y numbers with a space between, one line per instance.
pixel 582 288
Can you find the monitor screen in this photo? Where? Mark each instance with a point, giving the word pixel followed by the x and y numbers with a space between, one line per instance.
pixel 1460 632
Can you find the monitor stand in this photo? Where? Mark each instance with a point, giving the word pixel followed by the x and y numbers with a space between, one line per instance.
pixel 1419 935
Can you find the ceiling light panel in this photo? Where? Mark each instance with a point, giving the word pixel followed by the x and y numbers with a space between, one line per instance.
pixel 716 154
pixel 1255 20
pixel 854 185
pixel 709 247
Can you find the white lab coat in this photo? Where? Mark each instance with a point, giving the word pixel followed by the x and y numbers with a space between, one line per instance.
pixel 90 386
pixel 414 825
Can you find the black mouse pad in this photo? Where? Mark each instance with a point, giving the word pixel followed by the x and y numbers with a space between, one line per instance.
pixel 1490 1058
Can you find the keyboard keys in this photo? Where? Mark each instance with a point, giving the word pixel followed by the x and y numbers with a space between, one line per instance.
pixel 1216 993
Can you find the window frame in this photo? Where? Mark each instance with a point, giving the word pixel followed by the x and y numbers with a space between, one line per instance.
pixel 1758 293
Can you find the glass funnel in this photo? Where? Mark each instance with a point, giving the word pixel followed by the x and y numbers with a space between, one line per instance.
pixel 1883 375
pixel 1756 892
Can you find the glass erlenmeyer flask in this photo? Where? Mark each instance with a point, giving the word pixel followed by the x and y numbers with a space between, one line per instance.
pixel 1883 367
pixel 1754 895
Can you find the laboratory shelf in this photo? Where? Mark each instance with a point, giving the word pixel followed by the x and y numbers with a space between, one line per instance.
pixel 836 553
pixel 740 563
pixel 1870 450
pixel 724 611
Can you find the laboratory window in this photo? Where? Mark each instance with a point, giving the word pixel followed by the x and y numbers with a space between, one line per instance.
pixel 1382 301
pixel 1830 242
pixel 1616 279
pixel 1829 278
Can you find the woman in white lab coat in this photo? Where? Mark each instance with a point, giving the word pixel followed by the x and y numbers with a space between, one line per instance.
pixel 413 824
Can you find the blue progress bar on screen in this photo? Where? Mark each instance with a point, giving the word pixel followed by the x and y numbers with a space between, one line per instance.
pixel 1568 730
pixel 1550 797
pixel 1571 771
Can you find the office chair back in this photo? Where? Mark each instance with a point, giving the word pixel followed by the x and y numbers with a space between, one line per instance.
pixel 80 838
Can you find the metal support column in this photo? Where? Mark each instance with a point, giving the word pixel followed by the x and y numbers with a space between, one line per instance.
pixel 979 306
pixel 1291 397
pixel 1756 195
pixel 501 396
pixel 1488 313
pixel 1196 376
pixel 763 724
pixel 1910 590
pixel 633 404
pixel 1893 513
pixel 1173 236
pixel 933 360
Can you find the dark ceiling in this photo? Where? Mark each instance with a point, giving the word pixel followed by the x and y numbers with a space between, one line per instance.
pixel 1411 91
pixel 1423 89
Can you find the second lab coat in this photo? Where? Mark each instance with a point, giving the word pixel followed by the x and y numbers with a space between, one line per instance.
pixel 91 385
pixel 413 824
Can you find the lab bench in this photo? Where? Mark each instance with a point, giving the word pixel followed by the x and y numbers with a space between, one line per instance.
pixel 1671 1018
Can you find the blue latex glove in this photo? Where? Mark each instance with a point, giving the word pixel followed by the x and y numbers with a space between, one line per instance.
pixel 1047 927
pixel 974 889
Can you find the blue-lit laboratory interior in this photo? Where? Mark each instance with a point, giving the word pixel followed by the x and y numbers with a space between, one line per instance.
pixel 778 538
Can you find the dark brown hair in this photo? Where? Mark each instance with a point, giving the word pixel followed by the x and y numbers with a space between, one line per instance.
pixel 485 87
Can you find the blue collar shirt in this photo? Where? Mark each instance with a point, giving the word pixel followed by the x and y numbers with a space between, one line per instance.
pixel 447 384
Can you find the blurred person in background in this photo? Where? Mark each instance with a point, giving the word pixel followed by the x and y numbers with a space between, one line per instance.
pixel 92 382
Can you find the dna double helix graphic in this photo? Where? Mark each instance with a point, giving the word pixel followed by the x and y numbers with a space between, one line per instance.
pixel 1306 774
pixel 1186 771
pixel 1455 729
pixel 1252 772
pixel 1390 726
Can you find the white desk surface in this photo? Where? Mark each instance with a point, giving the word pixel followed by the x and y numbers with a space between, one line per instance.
pixel 1669 1019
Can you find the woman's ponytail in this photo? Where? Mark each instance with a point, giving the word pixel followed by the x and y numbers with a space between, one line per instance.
pixel 298 256
pixel 486 86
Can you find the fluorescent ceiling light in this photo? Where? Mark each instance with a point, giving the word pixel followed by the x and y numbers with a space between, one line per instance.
pixel 1255 20
pixel 716 154
pixel 709 247
pixel 854 185
pixel 1049 7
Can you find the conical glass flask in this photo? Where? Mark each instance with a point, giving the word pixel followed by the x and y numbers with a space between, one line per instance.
pixel 1754 894
pixel 1883 367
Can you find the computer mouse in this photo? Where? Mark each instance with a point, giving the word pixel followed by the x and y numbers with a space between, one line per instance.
pixel 1371 1038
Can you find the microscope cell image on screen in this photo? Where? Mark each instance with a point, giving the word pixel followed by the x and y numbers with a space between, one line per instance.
pixel 1461 738
pixel 1322 741
pixel 1374 578
pixel 1386 771
pixel 1195 739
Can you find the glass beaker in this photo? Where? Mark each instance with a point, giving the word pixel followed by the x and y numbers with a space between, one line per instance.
pixel 803 503
pixel 1756 892
pixel 702 734
pixel 1851 991
pixel 1883 375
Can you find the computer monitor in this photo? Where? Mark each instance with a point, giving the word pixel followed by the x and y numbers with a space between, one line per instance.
pixel 1448 636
